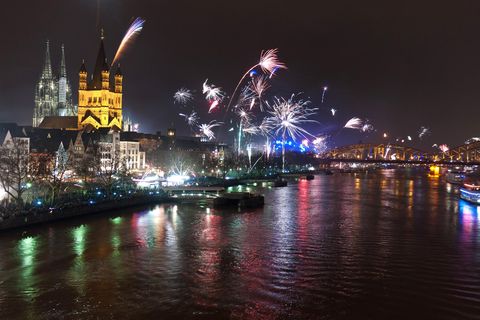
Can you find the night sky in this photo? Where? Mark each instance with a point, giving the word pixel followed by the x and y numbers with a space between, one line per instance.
pixel 402 66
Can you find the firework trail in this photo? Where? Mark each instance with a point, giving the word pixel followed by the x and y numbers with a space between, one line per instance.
pixel 354 123
pixel 191 118
pixel 409 138
pixel 273 73
pixel 206 129
pixel 333 111
pixel 323 93
pixel 269 63
pixel 132 32
pixel 183 96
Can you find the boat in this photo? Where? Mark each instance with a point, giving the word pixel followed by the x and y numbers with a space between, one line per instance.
pixel 239 199
pixel 455 177
pixel 470 189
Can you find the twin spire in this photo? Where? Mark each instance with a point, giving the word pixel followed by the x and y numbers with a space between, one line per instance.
pixel 47 66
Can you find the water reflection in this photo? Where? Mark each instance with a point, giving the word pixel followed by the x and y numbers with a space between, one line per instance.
pixel 360 246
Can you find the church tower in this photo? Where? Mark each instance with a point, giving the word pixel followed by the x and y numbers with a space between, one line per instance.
pixel 99 101
pixel 65 106
pixel 46 94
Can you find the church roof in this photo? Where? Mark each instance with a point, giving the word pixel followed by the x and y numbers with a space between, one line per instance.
pixel 82 67
pixel 100 65
pixel 58 122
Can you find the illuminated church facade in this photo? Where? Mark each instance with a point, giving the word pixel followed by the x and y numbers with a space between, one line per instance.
pixel 99 98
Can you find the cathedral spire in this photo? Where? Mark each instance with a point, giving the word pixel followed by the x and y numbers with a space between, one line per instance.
pixel 63 69
pixel 47 67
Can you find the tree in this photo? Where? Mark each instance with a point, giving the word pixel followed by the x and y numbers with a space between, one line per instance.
pixel 15 169
pixel 54 175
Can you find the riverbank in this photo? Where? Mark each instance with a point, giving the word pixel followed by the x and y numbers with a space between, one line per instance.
pixel 33 217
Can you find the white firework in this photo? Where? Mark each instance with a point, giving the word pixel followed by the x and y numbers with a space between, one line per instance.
pixel 211 92
pixel 183 96
pixel 367 127
pixel 265 127
pixel 333 111
pixel 191 118
pixel 253 130
pixel 206 129
pixel 320 144
pixel 259 85
pixel 287 116
pixel 269 61
pixel 354 123
pixel 244 115
pixel 424 131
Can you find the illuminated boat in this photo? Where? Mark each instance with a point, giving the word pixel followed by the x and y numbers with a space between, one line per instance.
pixel 455 177
pixel 470 190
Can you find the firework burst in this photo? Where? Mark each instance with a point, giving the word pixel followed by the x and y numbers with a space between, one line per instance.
pixel 191 118
pixel 211 92
pixel 287 116
pixel 320 144
pixel 253 130
pixel 367 127
pixel 333 111
pixel 244 115
pixel 206 129
pixel 183 96
pixel 269 63
pixel 130 36
pixel 443 147
pixel 354 123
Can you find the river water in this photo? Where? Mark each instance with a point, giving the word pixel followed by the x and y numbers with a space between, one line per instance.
pixel 383 245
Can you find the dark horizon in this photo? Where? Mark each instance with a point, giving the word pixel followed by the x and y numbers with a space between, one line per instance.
pixel 400 66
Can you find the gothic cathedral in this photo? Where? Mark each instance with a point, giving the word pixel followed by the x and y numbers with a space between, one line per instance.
pixel 53 96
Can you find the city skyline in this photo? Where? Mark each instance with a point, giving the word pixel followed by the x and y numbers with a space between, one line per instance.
pixel 374 73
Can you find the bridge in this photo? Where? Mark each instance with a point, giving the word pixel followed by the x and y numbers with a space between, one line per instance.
pixel 377 152
pixel 466 153
pixel 399 154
